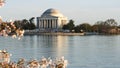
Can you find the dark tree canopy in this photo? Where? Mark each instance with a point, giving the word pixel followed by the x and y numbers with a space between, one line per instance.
pixel 25 24
pixel 85 27
pixel 77 29
pixel 105 26
pixel 69 26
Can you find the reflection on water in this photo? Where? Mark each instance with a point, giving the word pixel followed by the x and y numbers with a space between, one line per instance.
pixel 81 51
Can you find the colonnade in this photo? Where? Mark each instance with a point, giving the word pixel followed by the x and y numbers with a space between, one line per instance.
pixel 48 23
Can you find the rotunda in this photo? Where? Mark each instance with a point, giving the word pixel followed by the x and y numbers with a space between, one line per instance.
pixel 51 20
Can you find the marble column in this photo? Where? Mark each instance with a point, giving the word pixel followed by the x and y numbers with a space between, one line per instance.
pixel 56 23
pixel 40 24
pixel 44 23
pixel 53 23
pixel 50 23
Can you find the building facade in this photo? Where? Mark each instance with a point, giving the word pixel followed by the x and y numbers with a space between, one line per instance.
pixel 51 20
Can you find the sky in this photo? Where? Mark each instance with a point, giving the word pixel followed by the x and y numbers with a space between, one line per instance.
pixel 81 11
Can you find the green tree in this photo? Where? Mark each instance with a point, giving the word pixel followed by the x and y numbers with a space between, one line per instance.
pixel 105 26
pixel 98 27
pixel 65 27
pixel 111 22
pixel 77 29
pixel 95 28
pixel 32 20
pixel 69 26
pixel 25 24
pixel 85 27
pixel 18 24
pixel 31 24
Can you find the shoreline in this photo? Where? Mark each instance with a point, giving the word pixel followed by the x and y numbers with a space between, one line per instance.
pixel 54 33
pixel 65 34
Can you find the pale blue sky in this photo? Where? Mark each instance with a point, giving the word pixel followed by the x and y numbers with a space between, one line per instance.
pixel 80 11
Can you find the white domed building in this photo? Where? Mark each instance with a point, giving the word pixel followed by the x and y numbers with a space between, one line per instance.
pixel 51 20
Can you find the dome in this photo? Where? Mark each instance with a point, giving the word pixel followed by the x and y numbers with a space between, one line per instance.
pixel 52 12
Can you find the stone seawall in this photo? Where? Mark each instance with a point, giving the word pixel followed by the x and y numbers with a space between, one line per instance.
pixel 57 33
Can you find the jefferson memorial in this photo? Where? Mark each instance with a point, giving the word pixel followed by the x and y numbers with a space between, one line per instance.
pixel 51 20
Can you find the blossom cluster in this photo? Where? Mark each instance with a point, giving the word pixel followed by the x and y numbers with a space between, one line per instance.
pixel 2 2
pixel 5 62
pixel 9 29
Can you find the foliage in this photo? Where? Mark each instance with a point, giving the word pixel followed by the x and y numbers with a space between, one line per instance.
pixel 25 24
pixel 104 26
pixel 2 2
pixel 16 28
pixel 8 28
pixel 77 29
pixel 31 24
pixel 69 26
pixel 100 26
pixel 85 27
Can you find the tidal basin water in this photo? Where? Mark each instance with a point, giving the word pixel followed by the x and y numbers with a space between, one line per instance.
pixel 93 51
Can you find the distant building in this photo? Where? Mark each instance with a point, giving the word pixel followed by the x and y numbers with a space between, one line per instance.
pixel 51 20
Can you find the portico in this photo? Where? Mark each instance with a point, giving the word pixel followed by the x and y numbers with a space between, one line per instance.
pixel 51 19
pixel 48 23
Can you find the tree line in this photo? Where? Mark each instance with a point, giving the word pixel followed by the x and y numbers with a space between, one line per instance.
pixel 25 24
pixel 110 26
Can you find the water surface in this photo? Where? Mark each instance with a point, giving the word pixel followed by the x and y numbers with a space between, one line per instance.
pixel 81 51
